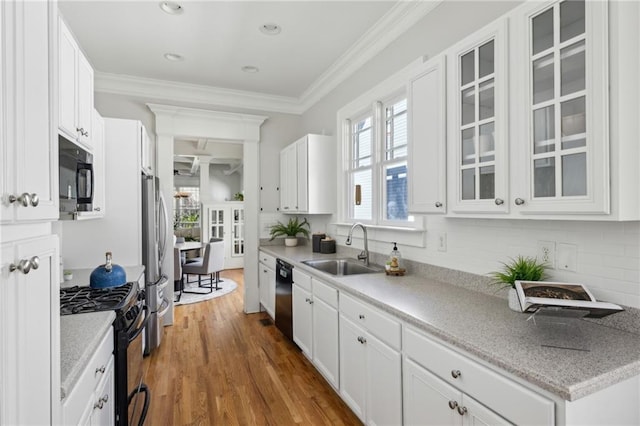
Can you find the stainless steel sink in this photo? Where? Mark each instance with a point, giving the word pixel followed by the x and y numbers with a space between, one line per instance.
pixel 342 266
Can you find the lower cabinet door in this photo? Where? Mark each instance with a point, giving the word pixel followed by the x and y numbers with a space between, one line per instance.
pixel 325 341
pixel 427 399
pixel 103 412
pixel 302 320
pixel 476 414
pixel 352 366
pixel 384 383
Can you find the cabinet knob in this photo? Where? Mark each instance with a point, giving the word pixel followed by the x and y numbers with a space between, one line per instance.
pixel 455 374
pixel 362 340
pixel 35 262
pixel 453 404
pixel 438 204
pixel 286 208
pixel 361 316
pixel 23 266
pixel 519 201
pixel 499 201
pixel 100 370
pixel 97 209
pixel 462 410
pixel 310 301
pixel 24 199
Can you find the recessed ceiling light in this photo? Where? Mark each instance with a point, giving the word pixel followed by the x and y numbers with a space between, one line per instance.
pixel 270 29
pixel 173 57
pixel 171 7
pixel 250 69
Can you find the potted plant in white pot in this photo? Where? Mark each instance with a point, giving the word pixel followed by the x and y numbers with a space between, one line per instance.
pixel 290 231
pixel 519 269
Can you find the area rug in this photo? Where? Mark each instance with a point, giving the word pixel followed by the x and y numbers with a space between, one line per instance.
pixel 226 286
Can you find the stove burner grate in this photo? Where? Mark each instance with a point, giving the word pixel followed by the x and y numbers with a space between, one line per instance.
pixel 76 300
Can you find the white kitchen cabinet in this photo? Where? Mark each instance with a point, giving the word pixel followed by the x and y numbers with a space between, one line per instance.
pixel 302 311
pixel 29 326
pixel 267 283
pixel 99 173
pixel 456 372
pixel 91 400
pixel 307 176
pixel 370 363
pixel 145 152
pixel 28 146
pixel 75 90
pixel 430 401
pixel 427 138
pixel 478 118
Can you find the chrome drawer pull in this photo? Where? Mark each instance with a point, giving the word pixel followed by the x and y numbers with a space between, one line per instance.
pixel 361 316
pixel 100 370
pixel 455 374
pixel 453 404
pixel 462 410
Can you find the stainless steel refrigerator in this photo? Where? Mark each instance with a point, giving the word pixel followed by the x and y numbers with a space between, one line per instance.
pixel 154 248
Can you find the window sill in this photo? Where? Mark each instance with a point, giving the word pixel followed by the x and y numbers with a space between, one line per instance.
pixel 404 236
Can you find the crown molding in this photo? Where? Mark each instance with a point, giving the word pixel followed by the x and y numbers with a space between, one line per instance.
pixel 402 16
pixel 153 89
pixel 392 25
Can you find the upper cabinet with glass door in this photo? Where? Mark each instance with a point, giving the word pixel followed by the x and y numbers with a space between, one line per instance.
pixel 478 122
pixel 562 132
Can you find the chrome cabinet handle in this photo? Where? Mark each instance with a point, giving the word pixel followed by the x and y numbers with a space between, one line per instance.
pixel 453 404
pixel 361 316
pixel 311 301
pixel 438 204
pixel 35 262
pixel 462 410
pixel 499 201
pixel 24 199
pixel 455 374
pixel 35 199
pixel 519 201
pixel 100 369
pixel 362 340
pixel 100 403
pixel 23 266
pixel 82 131
pixel 97 209
pixel 286 208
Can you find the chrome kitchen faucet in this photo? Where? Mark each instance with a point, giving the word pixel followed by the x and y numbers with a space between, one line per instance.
pixel 365 253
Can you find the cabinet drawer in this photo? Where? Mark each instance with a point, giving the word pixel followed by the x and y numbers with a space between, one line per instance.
pixel 98 366
pixel 268 260
pixel 302 279
pixel 506 397
pixel 326 293
pixel 377 323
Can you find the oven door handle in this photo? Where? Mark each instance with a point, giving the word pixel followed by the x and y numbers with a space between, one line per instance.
pixel 145 407
pixel 137 332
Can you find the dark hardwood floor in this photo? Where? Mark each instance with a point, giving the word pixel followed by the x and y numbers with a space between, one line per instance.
pixel 219 366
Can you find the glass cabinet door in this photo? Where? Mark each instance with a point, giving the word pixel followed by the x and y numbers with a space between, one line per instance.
pixel 558 101
pixel 216 223
pixel 238 232
pixel 478 134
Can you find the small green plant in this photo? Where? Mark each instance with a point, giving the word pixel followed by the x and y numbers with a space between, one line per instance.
pixel 238 196
pixel 291 229
pixel 519 269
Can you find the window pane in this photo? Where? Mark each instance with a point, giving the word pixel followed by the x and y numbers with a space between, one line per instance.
pixel 487 182
pixel 469 184
pixel 396 187
pixel 572 67
pixel 487 143
pixel 362 140
pixel 486 59
pixel 468 106
pixel 574 174
pixel 543 79
pixel 486 99
pixel 544 130
pixel 573 123
pixel 468 146
pixel 544 177
pixel 543 31
pixel 364 179
pixel 467 68
pixel 571 19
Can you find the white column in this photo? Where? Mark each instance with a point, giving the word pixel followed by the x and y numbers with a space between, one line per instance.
pixel 251 182
pixel 205 180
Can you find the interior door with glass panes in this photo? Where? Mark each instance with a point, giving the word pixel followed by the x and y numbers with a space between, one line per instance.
pixel 226 221
pixel 567 109
pixel 478 126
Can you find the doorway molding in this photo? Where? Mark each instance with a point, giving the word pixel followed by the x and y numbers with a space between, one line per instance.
pixel 181 122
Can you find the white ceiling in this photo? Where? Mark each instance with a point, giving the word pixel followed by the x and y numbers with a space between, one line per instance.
pixel 320 42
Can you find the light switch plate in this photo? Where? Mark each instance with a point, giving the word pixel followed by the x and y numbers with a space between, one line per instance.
pixel 442 241
pixel 567 257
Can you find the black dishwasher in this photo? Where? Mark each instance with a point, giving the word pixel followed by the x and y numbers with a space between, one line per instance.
pixel 284 283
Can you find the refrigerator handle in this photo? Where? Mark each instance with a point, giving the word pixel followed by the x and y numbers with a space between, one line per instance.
pixel 162 246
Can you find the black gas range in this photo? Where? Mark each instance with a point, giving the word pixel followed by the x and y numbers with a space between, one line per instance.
pixel 131 394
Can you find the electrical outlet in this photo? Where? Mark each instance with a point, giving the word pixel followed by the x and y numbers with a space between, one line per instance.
pixel 442 241
pixel 567 257
pixel 547 253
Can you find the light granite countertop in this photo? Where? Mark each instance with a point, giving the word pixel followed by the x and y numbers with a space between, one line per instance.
pixel 570 360
pixel 80 334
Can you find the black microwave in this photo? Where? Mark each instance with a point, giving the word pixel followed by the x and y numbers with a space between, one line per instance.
pixel 76 179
